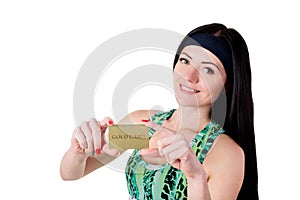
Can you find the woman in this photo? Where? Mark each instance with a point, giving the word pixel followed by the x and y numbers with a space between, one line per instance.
pixel 190 155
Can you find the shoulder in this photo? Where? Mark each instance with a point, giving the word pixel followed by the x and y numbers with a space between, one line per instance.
pixel 225 155
pixel 136 116
pixel 224 166
pixel 226 145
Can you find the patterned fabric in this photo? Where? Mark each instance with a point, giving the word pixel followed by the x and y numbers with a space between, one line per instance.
pixel 151 182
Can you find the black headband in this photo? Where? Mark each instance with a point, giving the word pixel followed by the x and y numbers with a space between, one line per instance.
pixel 212 43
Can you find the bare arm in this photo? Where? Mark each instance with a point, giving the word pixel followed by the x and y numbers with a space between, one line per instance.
pixel 78 160
pixel 88 150
pixel 221 175
pixel 75 166
pixel 224 166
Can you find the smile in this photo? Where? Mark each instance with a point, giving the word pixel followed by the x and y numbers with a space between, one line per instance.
pixel 188 90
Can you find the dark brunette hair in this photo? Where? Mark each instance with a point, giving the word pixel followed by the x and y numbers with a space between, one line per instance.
pixel 238 122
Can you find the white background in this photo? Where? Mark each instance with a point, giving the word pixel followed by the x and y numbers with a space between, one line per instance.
pixel 44 43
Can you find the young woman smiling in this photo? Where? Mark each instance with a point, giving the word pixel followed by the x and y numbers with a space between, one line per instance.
pixel 193 154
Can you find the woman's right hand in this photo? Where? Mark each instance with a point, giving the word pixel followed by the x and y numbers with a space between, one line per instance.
pixel 90 138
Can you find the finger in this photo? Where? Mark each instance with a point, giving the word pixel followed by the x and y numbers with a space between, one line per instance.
pixel 164 144
pixel 89 138
pixel 107 121
pixel 159 128
pixel 80 138
pixel 105 137
pixel 96 134
pixel 149 152
pixel 112 152
pixel 170 144
pixel 175 155
pixel 107 149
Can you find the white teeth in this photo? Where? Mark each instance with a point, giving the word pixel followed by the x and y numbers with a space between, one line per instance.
pixel 188 89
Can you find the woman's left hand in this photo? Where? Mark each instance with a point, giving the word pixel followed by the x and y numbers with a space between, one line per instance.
pixel 175 148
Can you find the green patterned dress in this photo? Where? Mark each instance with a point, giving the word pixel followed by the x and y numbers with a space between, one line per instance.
pixel 146 181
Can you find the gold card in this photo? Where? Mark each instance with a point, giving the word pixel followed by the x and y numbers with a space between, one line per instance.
pixel 128 136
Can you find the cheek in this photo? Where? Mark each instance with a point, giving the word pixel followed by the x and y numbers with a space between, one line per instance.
pixel 215 85
pixel 215 89
pixel 178 69
pixel 178 73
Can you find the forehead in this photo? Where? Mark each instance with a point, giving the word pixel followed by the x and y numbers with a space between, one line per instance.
pixel 200 54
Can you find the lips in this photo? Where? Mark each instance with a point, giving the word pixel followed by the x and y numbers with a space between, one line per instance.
pixel 188 90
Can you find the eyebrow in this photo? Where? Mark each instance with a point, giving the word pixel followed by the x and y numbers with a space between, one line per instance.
pixel 187 55
pixel 203 62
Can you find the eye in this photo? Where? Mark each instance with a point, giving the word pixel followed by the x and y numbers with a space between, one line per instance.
pixel 208 70
pixel 184 61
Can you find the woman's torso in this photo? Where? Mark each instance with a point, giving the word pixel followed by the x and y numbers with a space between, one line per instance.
pixel 149 181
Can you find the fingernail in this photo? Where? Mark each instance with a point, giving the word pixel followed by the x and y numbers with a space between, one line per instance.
pixel 110 122
pixel 145 120
pixel 92 153
pixel 98 151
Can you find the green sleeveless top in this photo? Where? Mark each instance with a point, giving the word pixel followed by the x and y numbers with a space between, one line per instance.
pixel 146 181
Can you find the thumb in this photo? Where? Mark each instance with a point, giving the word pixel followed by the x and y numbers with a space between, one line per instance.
pixel 150 152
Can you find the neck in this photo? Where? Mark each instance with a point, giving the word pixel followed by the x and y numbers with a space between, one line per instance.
pixel 191 118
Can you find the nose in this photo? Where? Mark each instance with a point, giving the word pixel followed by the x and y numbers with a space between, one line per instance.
pixel 191 74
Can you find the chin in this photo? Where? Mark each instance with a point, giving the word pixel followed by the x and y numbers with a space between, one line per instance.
pixel 187 102
pixel 191 102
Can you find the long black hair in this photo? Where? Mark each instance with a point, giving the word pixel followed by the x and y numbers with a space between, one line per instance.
pixel 238 122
